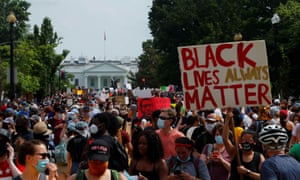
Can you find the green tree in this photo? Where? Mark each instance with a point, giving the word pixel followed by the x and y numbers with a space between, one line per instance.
pixel 289 47
pixel 45 41
pixel 148 64
pixel 176 23
pixel 20 10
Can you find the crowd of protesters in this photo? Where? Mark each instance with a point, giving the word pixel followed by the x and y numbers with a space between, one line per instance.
pixel 91 139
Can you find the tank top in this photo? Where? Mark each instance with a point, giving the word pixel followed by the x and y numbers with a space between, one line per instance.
pixel 253 165
pixel 148 174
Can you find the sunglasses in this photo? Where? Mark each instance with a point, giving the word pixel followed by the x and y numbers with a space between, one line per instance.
pixel 164 118
pixel 44 155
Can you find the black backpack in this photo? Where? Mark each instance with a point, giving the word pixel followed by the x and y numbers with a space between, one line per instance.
pixel 118 157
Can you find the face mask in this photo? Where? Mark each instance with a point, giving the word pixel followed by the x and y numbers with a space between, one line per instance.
pixel 247 146
pixel 41 166
pixel 183 161
pixel 96 168
pixel 210 126
pixel 160 123
pixel 219 139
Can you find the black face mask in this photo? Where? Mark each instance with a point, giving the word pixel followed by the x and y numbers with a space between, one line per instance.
pixel 247 146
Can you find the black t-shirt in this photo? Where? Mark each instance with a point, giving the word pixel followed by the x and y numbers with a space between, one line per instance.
pixel 76 146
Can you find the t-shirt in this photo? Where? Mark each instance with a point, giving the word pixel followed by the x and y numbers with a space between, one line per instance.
pixel 189 167
pixel 280 167
pixel 295 152
pixel 216 169
pixel 5 171
pixel 168 141
pixel 76 146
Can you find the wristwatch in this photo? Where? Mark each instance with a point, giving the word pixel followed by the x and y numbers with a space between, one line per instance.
pixel 248 171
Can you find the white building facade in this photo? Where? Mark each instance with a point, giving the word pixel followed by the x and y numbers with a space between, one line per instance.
pixel 99 74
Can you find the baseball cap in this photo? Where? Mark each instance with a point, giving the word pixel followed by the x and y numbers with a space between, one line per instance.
pixel 98 150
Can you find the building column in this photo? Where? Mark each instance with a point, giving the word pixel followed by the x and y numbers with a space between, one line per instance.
pixel 99 82
pixel 85 81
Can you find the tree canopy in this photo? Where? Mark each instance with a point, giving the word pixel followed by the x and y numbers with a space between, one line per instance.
pixel 35 57
pixel 176 23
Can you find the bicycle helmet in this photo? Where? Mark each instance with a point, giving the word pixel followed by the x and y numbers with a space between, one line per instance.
pixel 273 136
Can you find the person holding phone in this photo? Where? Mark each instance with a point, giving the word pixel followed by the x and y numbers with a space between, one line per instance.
pixel 184 165
pixel 216 157
pixel 33 156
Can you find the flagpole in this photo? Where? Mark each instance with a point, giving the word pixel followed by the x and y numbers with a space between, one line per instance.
pixel 104 46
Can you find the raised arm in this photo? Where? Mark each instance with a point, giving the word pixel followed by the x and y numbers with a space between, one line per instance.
pixel 227 143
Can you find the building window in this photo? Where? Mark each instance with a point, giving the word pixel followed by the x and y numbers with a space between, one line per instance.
pixel 76 82
pixel 105 82
pixel 92 82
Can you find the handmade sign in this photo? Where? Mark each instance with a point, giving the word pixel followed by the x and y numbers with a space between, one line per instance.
pixel 225 75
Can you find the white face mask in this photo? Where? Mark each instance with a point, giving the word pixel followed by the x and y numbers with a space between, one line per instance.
pixel 210 126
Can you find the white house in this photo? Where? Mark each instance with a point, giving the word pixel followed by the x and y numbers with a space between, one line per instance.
pixel 98 74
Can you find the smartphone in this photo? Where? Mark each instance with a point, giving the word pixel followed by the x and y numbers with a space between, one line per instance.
pixel 47 171
pixel 177 171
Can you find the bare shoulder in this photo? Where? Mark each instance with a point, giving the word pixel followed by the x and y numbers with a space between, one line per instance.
pixel 73 177
pixel 162 164
pixel 122 176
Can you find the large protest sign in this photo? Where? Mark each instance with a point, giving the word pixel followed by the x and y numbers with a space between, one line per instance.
pixel 146 106
pixel 225 75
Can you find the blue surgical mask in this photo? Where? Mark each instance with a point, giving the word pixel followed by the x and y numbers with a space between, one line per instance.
pixel 183 161
pixel 160 123
pixel 219 139
pixel 41 166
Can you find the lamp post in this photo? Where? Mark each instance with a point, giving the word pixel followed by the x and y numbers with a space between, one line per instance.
pixel 275 23
pixel 11 19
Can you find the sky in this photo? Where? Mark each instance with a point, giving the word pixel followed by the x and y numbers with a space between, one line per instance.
pixel 83 24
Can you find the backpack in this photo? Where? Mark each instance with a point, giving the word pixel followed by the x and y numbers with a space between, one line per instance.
pixel 173 161
pixel 119 158
pixel 60 153
pixel 81 175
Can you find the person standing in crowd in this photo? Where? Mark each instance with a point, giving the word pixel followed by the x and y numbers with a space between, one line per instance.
pixel 22 127
pixel 9 121
pixel 41 132
pixel 76 146
pixel 216 157
pixel 148 155
pixel 86 114
pixel 98 156
pixel 245 161
pixel 184 165
pixel 296 130
pixel 57 123
pixel 106 126
pixel 166 133
pixel 7 167
pixel 34 156
pixel 203 134
pixel 278 166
